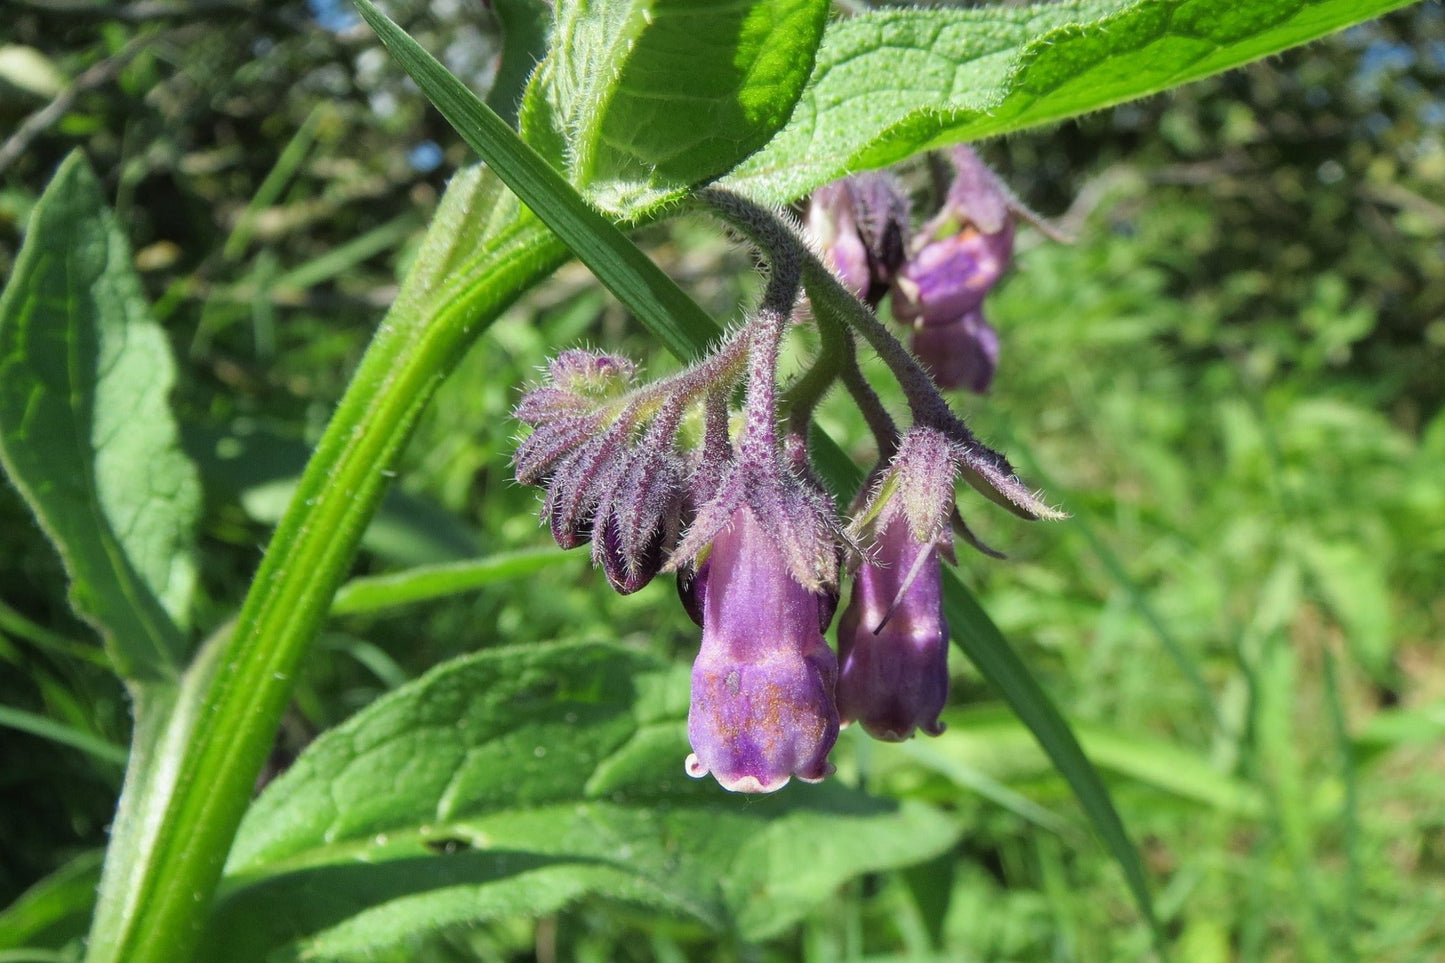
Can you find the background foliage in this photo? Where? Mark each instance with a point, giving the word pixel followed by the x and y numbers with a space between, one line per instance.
pixel 1232 380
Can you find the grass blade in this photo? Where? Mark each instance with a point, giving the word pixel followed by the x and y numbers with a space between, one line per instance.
pixel 985 645
pixel 376 592
pixel 46 728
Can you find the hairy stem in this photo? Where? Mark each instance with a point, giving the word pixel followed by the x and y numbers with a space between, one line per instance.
pixel 885 432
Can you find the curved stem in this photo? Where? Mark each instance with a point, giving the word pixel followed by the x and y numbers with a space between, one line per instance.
pixel 885 432
pixel 803 396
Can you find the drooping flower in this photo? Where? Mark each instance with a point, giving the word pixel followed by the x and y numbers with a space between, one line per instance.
pixel 960 354
pixel 892 638
pixel 956 259
pixel 762 687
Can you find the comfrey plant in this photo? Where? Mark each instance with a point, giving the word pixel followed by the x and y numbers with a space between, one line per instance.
pixel 754 536
pixel 519 778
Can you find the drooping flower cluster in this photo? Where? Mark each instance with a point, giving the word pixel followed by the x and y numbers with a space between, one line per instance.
pixel 941 274
pixel 662 477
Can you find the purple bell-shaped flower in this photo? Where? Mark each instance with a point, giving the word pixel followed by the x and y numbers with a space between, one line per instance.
pixel 960 354
pixel 762 687
pixel 893 640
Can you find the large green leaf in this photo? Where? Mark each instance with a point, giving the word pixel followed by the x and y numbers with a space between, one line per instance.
pixel 86 433
pixel 640 100
pixel 968 74
pixel 514 781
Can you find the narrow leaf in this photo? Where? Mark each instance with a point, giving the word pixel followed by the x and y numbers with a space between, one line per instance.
pixel 54 910
pixel 86 433
pixel 376 592
pixel 979 73
pixel 44 727
pixel 985 645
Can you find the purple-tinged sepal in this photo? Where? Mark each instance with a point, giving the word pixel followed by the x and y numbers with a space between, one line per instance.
pixel 763 707
pixel 797 516
pixel 596 375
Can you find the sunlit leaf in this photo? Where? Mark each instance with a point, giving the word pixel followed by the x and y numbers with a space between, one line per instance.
pixel 643 99
pixel 891 83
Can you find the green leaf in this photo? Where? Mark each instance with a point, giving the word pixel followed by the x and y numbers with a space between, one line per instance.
pixel 652 97
pixel 638 283
pixel 972 74
pixel 86 433
pixel 517 780
pixel 46 728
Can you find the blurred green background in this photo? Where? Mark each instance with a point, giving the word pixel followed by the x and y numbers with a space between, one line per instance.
pixel 1233 380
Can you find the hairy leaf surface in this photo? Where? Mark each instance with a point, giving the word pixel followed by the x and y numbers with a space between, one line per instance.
pixel 891 83
pixel 517 780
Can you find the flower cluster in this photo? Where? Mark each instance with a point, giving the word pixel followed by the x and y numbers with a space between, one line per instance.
pixel 668 476
pixel 938 276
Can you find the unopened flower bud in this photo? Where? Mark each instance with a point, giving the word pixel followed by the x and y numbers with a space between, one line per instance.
pixel 831 223
pixel 639 519
pixel 592 374
pixel 762 686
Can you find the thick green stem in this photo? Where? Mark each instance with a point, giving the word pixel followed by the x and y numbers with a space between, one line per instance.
pixel 154 910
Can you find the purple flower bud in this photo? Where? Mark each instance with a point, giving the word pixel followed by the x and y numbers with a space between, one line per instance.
pixel 894 679
pixel 762 686
pixel 639 519
pixel 948 278
pixel 592 374
pixel 961 354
